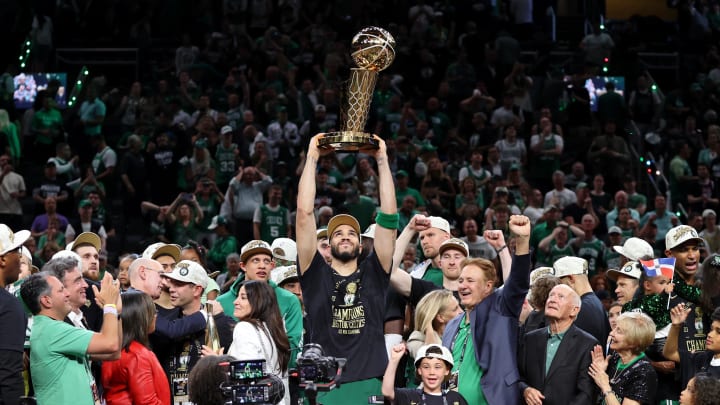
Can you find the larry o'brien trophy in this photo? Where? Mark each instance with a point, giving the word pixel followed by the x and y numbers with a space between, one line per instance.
pixel 373 49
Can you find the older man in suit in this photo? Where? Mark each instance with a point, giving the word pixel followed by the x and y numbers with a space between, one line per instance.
pixel 481 339
pixel 554 360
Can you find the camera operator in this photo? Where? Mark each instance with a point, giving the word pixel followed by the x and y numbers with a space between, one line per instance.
pixel 347 295
pixel 205 379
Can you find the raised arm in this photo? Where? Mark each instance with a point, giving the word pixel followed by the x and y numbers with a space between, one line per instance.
pixel 109 340
pixel 678 315
pixel 401 280
pixel 496 239
pixel 305 225
pixel 387 218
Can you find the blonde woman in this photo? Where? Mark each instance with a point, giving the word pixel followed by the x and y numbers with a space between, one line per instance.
pixel 626 376
pixel 432 313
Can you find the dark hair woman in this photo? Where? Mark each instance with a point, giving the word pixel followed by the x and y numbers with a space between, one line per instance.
pixel 260 334
pixel 137 377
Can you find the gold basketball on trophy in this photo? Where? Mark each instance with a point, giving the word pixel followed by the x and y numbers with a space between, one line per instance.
pixel 373 50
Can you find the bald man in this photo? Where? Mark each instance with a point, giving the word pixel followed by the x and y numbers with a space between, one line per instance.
pixel 144 276
pixel 554 362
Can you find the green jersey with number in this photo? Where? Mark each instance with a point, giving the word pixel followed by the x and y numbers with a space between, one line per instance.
pixel 225 159
pixel 273 223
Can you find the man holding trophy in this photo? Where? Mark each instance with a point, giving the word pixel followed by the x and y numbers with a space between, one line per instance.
pixel 345 301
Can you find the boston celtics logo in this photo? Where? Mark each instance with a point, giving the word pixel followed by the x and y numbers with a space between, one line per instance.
pixel 183 269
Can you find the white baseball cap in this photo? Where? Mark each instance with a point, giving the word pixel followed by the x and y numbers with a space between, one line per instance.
pixel 225 130
pixel 10 240
pixel 254 247
pixel 614 229
pixel 188 271
pixel 436 352
pixel 369 232
pixel 454 243
pixel 162 249
pixel 681 234
pixel 629 269
pixel 439 223
pixel 709 212
pixel 541 272
pixel 635 249
pixel 284 249
pixel 569 266
pixel 282 274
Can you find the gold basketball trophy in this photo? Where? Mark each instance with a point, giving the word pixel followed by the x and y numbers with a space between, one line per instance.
pixel 373 50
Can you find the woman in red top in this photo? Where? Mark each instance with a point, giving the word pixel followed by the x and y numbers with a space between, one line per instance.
pixel 137 377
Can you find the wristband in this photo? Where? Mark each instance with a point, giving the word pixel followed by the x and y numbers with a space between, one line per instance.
pixel 608 392
pixel 110 310
pixel 110 305
pixel 501 249
pixel 387 221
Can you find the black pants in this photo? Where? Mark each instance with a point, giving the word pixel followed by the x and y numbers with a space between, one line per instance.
pixel 12 386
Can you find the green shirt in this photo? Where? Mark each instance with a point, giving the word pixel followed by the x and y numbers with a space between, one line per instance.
pixel 435 275
pixel 468 369
pixel 401 194
pixel 222 247
pixel 47 119
pixel 289 309
pixel 59 363
pixel 553 343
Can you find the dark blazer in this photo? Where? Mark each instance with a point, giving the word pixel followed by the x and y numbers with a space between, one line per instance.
pixel 93 313
pixel 567 380
pixel 494 323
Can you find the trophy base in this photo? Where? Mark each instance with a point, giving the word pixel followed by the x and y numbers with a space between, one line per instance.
pixel 347 141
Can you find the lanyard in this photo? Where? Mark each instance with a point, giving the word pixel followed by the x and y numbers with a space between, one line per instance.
pixel 452 345
pixel 443 398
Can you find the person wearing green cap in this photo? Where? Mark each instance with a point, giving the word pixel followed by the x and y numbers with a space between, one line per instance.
pixel 224 245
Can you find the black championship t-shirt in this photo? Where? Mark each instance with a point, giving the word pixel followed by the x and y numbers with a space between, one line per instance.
pixel 345 315
pixel 406 396
pixel 692 335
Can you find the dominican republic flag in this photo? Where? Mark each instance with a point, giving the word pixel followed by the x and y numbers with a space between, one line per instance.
pixel 659 267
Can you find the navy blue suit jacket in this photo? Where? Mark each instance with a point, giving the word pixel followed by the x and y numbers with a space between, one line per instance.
pixel 494 323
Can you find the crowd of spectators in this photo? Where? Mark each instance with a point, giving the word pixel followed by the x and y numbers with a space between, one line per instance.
pixel 205 148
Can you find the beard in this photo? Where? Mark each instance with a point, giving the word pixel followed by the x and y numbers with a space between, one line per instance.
pixel 345 256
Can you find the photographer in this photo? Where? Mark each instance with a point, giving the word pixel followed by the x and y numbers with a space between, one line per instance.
pixel 205 379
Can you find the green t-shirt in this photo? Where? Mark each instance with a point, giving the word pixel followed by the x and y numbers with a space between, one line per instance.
pixel 220 250
pixel 435 275
pixel 539 233
pixel 401 194
pixel 59 363
pixel 42 120
pixel 635 200
pixel 469 371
